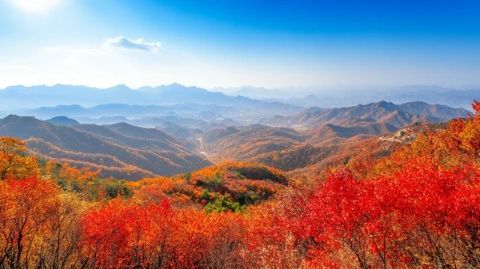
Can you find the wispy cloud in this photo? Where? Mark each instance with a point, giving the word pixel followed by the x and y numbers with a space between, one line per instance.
pixel 132 44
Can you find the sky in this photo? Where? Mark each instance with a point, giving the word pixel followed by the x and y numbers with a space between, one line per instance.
pixel 218 43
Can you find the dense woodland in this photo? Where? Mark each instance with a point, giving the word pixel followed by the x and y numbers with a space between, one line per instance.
pixel 418 207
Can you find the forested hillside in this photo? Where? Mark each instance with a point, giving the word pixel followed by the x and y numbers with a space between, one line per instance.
pixel 414 206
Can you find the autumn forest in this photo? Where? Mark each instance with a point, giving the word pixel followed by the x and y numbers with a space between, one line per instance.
pixel 416 207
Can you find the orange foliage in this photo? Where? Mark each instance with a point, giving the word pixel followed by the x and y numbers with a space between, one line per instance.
pixel 154 190
pixel 243 183
pixel 14 164
pixel 37 228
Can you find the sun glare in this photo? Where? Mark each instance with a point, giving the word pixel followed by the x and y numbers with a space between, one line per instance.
pixel 35 6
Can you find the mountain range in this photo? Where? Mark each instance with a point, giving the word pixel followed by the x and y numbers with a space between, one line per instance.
pixel 310 136
pixel 22 97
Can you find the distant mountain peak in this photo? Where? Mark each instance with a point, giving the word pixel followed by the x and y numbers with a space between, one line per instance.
pixel 120 87
pixel 63 121
pixel 177 85
pixel 14 117
pixel 385 104
pixel 122 125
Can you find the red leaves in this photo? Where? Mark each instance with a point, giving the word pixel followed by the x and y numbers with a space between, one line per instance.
pixel 120 235
pixel 379 219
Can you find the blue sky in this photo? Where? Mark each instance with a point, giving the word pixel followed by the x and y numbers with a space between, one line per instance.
pixel 215 43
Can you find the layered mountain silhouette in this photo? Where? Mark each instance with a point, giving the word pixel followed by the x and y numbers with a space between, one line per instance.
pixel 119 150
pixel 73 97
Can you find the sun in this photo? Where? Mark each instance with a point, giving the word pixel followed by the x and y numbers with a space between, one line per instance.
pixel 35 6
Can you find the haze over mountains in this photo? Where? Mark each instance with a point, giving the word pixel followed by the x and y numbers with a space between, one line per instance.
pixel 146 106
pixel 174 129
pixel 331 97
pixel 22 97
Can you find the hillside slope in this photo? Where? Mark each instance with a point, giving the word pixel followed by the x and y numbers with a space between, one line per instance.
pixel 249 142
pixel 119 150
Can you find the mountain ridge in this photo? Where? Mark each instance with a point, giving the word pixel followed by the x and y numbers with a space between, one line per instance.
pixel 383 111
pixel 133 149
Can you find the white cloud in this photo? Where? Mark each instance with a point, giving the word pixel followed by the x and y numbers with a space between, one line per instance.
pixel 132 44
